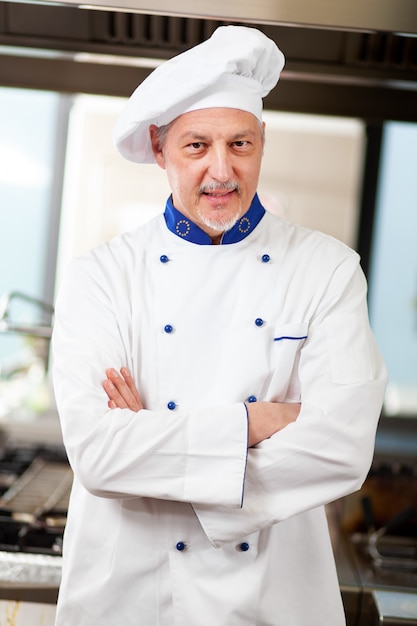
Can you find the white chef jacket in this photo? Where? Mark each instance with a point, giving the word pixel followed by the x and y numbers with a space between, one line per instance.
pixel 172 521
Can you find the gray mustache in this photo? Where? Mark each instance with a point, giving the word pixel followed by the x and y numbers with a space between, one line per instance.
pixel 226 186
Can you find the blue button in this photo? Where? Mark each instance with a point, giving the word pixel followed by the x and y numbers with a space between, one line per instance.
pixel 171 405
pixel 168 328
pixel 180 546
pixel 163 258
pixel 266 258
pixel 259 321
pixel 244 546
pixel 252 399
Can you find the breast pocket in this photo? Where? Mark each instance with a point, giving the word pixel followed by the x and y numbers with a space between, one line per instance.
pixel 288 340
pixel 291 334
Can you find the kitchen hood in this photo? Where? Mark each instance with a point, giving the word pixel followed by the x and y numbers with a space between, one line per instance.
pixel 377 15
pixel 355 58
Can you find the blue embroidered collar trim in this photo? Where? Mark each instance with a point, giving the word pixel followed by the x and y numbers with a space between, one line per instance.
pixel 186 229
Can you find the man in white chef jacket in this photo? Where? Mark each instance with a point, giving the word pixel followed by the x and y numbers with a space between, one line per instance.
pixel 215 374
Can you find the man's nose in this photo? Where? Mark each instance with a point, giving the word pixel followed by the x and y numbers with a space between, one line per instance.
pixel 220 167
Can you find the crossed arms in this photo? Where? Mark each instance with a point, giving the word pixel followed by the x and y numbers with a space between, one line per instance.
pixel 264 418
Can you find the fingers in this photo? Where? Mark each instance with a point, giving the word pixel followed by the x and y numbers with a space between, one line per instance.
pixel 131 384
pixel 121 390
pixel 116 399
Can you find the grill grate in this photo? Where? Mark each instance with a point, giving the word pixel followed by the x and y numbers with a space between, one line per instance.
pixel 45 486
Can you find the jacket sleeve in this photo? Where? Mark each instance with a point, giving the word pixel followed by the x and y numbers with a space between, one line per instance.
pixel 184 455
pixel 327 452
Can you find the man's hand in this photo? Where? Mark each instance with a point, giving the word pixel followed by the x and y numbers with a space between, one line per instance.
pixel 121 390
pixel 267 418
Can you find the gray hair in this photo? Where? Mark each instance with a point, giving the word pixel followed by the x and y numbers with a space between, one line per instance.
pixel 161 134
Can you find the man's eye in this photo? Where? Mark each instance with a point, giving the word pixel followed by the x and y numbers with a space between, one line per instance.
pixel 240 144
pixel 196 145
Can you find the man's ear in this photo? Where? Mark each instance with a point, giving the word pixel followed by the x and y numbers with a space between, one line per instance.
pixel 156 149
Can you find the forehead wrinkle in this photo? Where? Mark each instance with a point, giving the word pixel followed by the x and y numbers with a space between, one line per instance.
pixel 191 134
pixel 201 136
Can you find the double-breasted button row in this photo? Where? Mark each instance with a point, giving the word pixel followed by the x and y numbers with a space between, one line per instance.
pixel 243 547
pixel 169 329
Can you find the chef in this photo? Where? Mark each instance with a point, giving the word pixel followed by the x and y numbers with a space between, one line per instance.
pixel 215 373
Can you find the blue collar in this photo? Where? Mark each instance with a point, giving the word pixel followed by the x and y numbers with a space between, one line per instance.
pixel 186 229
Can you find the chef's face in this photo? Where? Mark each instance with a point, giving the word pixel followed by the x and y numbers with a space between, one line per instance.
pixel 212 158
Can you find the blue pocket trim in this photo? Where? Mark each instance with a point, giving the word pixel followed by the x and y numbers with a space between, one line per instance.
pixel 286 337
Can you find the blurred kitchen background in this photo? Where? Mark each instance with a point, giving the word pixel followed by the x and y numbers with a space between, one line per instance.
pixel 340 156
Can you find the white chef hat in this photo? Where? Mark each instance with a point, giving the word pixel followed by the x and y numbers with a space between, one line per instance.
pixel 235 68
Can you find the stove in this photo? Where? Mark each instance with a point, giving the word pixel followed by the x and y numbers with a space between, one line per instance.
pixel 35 484
pixel 381 529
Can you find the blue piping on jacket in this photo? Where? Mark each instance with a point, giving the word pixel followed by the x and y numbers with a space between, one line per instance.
pixel 285 337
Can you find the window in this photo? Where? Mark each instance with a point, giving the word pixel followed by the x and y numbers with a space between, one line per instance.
pixel 393 268
pixel 31 141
